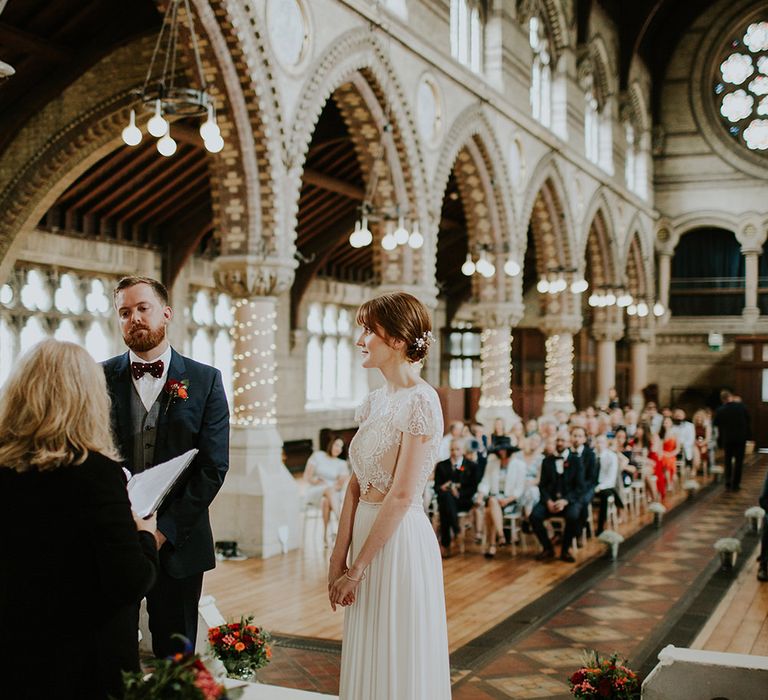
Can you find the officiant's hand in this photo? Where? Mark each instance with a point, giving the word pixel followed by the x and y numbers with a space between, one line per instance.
pixel 146 524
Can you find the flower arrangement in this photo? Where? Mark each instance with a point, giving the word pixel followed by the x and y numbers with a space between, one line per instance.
pixel 242 647
pixel 728 548
pixel 613 539
pixel 179 677
pixel 755 515
pixel 604 678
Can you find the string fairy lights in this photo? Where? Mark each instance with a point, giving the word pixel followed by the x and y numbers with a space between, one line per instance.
pixel 253 335
pixel 558 369
pixel 495 368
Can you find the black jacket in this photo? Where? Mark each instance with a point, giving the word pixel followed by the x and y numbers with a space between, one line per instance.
pixel 468 477
pixel 568 485
pixel 732 422
pixel 202 421
pixel 73 571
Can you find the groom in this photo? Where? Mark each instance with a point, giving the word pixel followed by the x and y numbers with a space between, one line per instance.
pixel 164 404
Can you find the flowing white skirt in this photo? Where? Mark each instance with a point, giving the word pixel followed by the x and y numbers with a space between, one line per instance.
pixel 395 643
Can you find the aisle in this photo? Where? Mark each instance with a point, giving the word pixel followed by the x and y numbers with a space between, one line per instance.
pixel 640 605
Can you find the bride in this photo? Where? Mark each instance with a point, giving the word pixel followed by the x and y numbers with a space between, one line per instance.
pixel 395 634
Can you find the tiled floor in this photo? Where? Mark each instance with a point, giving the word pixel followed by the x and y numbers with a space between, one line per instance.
pixel 624 612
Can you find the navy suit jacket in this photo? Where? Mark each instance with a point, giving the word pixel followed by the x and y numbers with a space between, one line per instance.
pixel 569 484
pixel 202 422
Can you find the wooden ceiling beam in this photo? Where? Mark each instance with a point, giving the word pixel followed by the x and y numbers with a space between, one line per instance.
pixel 332 184
pixel 85 182
pixel 170 196
pixel 32 43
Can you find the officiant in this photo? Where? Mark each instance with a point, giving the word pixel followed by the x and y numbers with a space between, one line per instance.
pixel 164 404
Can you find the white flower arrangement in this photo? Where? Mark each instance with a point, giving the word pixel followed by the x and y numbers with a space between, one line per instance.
pixel 691 485
pixel 755 512
pixel 657 507
pixel 728 544
pixel 611 537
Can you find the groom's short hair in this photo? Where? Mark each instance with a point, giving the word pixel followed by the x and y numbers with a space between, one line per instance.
pixel 132 281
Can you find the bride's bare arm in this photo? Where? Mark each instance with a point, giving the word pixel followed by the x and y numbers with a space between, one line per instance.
pixel 338 562
pixel 413 453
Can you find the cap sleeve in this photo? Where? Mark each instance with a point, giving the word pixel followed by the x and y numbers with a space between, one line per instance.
pixel 418 414
pixel 363 410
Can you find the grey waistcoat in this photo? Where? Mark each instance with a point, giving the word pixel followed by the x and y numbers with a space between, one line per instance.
pixel 144 427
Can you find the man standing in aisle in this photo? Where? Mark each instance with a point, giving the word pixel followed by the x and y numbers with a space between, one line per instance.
pixel 732 423
pixel 163 405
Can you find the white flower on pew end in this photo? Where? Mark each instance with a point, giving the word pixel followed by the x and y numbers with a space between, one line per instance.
pixel 691 485
pixel 611 537
pixel 728 544
pixel 657 507
pixel 755 512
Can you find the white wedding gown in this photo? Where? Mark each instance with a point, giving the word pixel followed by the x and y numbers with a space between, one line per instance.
pixel 395 644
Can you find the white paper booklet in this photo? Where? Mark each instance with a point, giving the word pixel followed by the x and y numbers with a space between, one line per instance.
pixel 147 489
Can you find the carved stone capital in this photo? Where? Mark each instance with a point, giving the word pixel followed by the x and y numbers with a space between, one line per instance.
pixel 248 276
pixel 639 334
pixel 497 315
pixel 557 325
pixel 751 238
pixel 607 331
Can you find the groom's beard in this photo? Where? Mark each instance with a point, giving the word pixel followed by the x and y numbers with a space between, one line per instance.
pixel 144 338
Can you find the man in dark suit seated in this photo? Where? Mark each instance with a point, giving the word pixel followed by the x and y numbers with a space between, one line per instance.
pixel 732 423
pixel 455 485
pixel 586 455
pixel 562 490
pixel 163 405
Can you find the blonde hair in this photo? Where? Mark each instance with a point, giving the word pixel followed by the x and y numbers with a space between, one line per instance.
pixel 54 409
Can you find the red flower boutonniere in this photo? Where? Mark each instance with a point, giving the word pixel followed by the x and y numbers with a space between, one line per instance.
pixel 176 390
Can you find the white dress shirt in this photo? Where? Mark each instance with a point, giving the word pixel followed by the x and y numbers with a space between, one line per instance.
pixel 148 387
pixel 609 470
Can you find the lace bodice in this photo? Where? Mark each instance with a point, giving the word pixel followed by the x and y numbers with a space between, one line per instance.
pixel 383 417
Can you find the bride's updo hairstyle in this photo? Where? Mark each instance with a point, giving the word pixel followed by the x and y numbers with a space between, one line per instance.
pixel 399 316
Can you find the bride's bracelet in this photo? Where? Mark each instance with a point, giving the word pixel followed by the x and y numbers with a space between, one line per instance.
pixel 355 580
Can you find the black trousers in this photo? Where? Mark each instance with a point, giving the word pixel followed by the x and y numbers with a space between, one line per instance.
pixel 572 515
pixel 603 512
pixel 449 508
pixel 734 459
pixel 172 607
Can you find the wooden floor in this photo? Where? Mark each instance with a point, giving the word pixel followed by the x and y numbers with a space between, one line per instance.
pixel 287 594
pixel 739 625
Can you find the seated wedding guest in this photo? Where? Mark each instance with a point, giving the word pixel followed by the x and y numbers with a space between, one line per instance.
pixel 656 458
pixel 561 487
pixel 670 447
pixel 702 426
pixel 630 422
pixel 74 561
pixel 628 468
pixel 326 475
pixel 608 473
pixel 502 487
pixel 586 456
pixel 483 443
pixel 499 431
pixel 532 456
pixel 652 416
pixel 685 434
pixel 613 399
pixel 455 485
pixel 547 427
pixel 455 430
pixel 517 433
pixel 531 427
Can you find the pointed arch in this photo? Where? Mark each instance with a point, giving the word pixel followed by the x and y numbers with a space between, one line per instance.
pixel 357 53
pixel 546 211
pixel 639 281
pixel 600 253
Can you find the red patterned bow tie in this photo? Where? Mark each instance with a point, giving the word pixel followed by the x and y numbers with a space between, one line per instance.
pixel 139 369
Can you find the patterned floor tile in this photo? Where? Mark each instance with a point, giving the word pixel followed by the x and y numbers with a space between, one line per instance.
pixel 591 634
pixel 633 596
pixel 567 657
pixel 649 580
pixel 610 613
pixel 534 686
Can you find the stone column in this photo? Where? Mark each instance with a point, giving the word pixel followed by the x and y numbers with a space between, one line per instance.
pixel 665 276
pixel 497 321
pixel 639 341
pixel 558 370
pixel 258 505
pixel 606 337
pixel 751 311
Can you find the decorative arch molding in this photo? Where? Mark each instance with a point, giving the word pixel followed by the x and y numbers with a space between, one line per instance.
pixel 679 226
pixel 553 12
pixel 249 199
pixel 600 251
pixel 595 64
pixel 637 227
pixel 546 199
pixel 637 108
pixel 471 129
pixel 354 53
pixel 599 204
pixel 637 270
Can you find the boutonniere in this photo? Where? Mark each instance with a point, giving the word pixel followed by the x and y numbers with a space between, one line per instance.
pixel 176 390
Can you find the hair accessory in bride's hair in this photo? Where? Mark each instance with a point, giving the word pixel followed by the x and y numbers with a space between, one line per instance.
pixel 424 341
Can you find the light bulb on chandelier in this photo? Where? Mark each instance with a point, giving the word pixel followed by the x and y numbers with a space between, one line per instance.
pixel 354 237
pixel 542 286
pixel 579 286
pixel 468 268
pixel 642 309
pixel 401 233
pixel 366 237
pixel 166 146
pixel 415 240
pixel 209 129
pixel 658 309
pixel 512 267
pixel 157 126
pixel 132 134
pixel 388 242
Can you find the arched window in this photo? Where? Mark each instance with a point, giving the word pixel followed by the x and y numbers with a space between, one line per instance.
pixel 630 161
pixel 541 72
pixel 707 274
pixel 333 376
pixel 591 127
pixel 467 33
pixel 210 320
